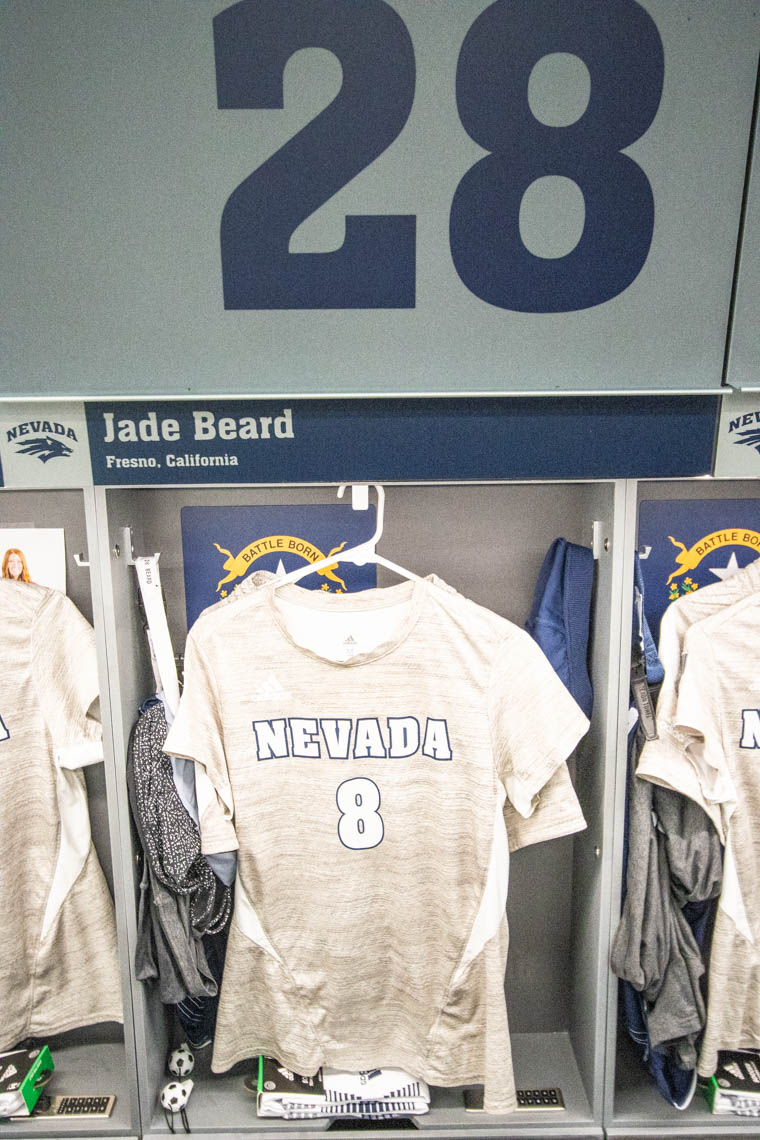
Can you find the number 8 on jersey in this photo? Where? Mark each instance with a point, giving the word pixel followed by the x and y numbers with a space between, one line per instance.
pixel 360 826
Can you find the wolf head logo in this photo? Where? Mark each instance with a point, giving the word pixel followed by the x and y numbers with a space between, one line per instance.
pixel 45 447
pixel 750 438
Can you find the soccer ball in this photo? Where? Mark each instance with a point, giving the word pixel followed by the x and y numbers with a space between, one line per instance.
pixel 175 1095
pixel 181 1061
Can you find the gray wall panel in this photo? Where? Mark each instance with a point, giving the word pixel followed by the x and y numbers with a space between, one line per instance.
pixel 121 165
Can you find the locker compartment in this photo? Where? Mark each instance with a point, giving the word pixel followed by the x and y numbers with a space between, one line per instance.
pixel 634 1106
pixel 96 1059
pixel 488 542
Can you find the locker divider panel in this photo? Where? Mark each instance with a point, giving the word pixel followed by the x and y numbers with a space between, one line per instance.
pixel 594 781
pixel 130 682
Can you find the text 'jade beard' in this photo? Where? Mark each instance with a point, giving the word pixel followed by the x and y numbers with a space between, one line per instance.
pixel 206 425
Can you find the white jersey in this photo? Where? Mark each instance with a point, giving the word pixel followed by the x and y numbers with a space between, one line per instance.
pixel 664 756
pixel 58 963
pixel 361 749
pixel 717 719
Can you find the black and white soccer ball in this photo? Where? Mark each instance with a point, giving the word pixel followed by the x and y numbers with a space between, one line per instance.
pixel 181 1061
pixel 175 1095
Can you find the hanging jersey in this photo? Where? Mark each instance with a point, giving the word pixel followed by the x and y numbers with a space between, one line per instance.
pixel 362 748
pixel 718 717
pixel 58 963
pixel 665 754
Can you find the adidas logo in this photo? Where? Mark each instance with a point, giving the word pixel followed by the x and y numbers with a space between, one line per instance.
pixel 269 687
pixel 9 1072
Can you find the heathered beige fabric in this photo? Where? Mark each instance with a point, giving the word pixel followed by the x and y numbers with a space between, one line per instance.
pixel 68 977
pixel 661 757
pixel 718 718
pixel 703 603
pixel 369 926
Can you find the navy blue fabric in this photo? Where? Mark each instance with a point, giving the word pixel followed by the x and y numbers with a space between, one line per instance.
pixel 676 1085
pixel 197 1015
pixel 561 614
pixel 641 631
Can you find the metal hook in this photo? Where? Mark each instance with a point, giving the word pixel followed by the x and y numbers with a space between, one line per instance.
pixel 127 546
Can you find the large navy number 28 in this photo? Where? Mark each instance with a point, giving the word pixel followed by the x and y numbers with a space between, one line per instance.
pixel 375 267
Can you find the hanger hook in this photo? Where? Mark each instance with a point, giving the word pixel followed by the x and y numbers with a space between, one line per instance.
pixel 380 510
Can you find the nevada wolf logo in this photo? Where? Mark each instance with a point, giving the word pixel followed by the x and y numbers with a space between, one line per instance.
pixel 45 448
pixel 749 438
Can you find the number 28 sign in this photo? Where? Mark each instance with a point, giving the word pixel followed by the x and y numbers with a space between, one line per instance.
pixel 376 265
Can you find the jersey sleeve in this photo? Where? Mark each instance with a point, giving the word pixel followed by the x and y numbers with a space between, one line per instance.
pixel 664 760
pixel 698 722
pixel 197 734
pixel 65 670
pixel 687 755
pixel 669 650
pixel 556 813
pixel 535 724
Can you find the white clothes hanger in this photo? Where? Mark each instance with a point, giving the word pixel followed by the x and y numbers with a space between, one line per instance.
pixel 361 554
pixel 159 638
